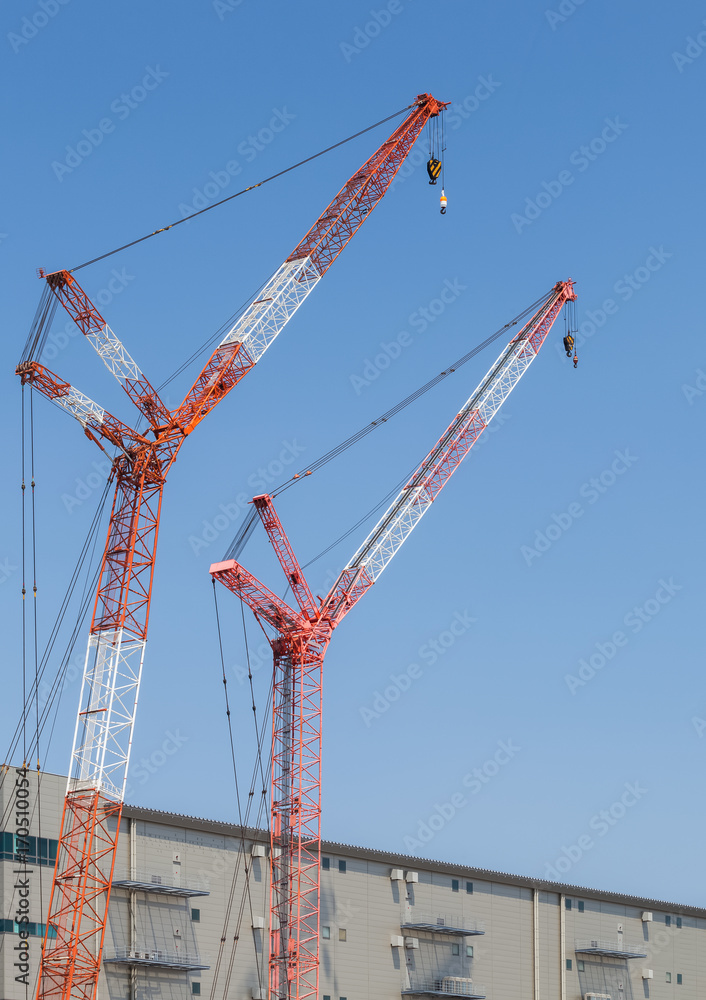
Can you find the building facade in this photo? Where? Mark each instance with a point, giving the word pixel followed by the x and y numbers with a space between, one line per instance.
pixel 189 912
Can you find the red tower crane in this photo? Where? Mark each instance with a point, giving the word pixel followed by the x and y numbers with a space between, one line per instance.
pixel 299 641
pixel 71 957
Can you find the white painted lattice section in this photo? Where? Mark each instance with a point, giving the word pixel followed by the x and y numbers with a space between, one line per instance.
pixel 113 355
pixel 81 407
pixel 258 326
pixel 103 737
pixel 410 505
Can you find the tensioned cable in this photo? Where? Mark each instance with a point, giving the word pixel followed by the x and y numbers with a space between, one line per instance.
pixel 411 398
pixel 246 529
pixel 237 194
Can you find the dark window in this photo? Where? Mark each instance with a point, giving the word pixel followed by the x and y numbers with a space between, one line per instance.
pixel 580 965
pixel 326 997
pixel 196 989
pixel 569 964
pixel 326 863
pixel 341 866
pixel 678 921
pixel 454 885
pixel 196 915
pixel 567 904
pixel 469 951
pixel 668 921
pixel 455 949
pixel 679 979
pixel 580 906
pixel 469 887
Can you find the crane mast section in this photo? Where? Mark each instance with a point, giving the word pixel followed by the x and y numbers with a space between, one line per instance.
pixel 413 501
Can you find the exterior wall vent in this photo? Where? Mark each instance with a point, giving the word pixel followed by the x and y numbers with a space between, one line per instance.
pixel 397 941
pixel 646 916
pixel 411 942
pixel 258 850
pixel 648 974
pixel 412 876
pixel 397 875
pixel 258 923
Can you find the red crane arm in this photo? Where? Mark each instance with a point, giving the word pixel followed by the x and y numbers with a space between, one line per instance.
pixel 262 321
pixel 94 327
pixel 285 554
pixel 94 419
pixel 256 595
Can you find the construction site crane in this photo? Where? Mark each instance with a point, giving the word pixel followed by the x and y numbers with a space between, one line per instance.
pixel 73 943
pixel 300 636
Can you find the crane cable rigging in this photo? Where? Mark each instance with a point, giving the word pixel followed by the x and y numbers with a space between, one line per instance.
pixel 252 187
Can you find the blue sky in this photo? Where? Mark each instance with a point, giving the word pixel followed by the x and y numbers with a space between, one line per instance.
pixel 574 150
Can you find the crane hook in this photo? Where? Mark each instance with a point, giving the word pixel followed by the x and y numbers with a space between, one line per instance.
pixel 442 202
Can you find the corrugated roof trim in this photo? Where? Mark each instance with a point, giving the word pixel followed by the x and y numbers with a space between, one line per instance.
pixel 213 825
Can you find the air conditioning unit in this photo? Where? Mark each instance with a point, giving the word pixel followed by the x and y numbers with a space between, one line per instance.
pixel 412 877
pixel 258 994
pixel 396 875
pixel 258 923
pixel 411 942
pixel 258 850
pixel 648 974
pixel 396 941
pixel 646 916
pixel 456 984
pixel 147 954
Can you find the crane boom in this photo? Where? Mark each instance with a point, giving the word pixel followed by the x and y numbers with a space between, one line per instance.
pixel 299 647
pixel 71 956
pixel 415 498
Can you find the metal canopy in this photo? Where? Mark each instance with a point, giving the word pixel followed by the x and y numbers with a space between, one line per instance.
pixel 166 890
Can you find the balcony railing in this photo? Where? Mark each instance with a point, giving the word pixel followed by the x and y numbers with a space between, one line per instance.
pixel 610 949
pixel 446 986
pixel 165 884
pixel 157 959
pixel 443 924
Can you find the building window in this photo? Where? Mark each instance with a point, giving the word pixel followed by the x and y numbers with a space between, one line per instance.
pixel 569 964
pixel 679 979
pixel 669 977
pixel 469 887
pixel 678 921
pixel 455 949
pixel 326 997
pixel 580 905
pixel 454 885
pixel 196 915
pixel 668 921
pixel 33 850
pixel 567 904
pixel 580 965
pixel 341 933
pixel 341 866
pixel 196 989
pixel 326 932
pixel 326 863
pixel 469 951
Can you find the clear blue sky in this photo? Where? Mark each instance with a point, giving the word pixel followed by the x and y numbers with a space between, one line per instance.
pixel 623 216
